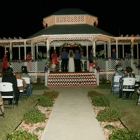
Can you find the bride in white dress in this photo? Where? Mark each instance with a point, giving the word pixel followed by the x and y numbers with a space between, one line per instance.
pixel 71 61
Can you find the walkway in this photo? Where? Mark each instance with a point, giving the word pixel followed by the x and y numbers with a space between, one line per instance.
pixel 72 117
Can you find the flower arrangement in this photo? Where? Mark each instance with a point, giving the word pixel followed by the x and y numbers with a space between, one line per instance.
pixel 71 45
pixel 95 66
pixel 137 65
pixel 40 54
pixel 83 57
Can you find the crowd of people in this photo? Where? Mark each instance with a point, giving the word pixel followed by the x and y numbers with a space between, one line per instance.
pixel 9 76
pixel 128 72
pixel 70 61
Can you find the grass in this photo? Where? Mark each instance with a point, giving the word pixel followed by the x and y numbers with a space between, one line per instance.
pixel 129 111
pixel 39 86
pixel 14 116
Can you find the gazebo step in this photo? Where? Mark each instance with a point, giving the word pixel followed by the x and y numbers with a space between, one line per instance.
pixel 71 79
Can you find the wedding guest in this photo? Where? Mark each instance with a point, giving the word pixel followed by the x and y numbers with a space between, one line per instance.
pixel 64 56
pixel 9 77
pixel 29 56
pixel 117 73
pixel 17 74
pixel 24 73
pixel 113 53
pixel 5 62
pixel 126 56
pixel 54 57
pixel 128 73
pixel 91 57
pixel 77 61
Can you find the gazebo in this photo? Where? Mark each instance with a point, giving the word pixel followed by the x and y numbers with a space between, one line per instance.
pixel 73 26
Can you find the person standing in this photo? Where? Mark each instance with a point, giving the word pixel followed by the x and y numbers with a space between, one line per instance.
pixel 77 61
pixel 9 77
pixel 5 62
pixel 90 57
pixel 71 61
pixel 54 57
pixel 29 56
pixel 64 56
pixel 113 53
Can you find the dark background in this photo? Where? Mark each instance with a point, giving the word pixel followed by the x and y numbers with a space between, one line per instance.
pixel 22 18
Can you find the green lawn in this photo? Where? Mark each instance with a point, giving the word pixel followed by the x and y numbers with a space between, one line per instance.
pixel 14 116
pixel 130 113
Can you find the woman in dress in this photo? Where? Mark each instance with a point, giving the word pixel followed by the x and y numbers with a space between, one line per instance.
pixel 71 61
pixel 54 57
pixel 5 61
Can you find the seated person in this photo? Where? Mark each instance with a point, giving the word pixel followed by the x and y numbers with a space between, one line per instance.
pixel 9 77
pixel 117 73
pixel 138 92
pixel 24 73
pixel 1 105
pixel 17 74
pixel 128 73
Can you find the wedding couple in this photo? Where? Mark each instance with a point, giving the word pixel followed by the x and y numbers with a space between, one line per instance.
pixel 74 61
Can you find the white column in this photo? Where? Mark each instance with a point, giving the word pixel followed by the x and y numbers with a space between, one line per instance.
pixel 25 50
pixel 132 47
pixel 10 50
pixel 116 48
pixel 32 53
pixel 109 49
pixel 94 48
pixel 87 57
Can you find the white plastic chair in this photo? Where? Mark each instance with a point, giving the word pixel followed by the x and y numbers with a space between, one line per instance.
pixel 137 77
pixel 20 84
pixel 116 80
pixel 0 79
pixel 128 82
pixel 7 91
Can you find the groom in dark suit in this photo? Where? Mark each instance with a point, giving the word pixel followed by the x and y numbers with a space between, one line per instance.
pixel 77 61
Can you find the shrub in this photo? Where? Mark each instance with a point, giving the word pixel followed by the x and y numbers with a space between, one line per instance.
pixel 51 94
pixel 108 115
pixel 100 101
pixel 34 116
pixel 109 127
pixel 21 135
pixel 93 94
pixel 45 101
pixel 124 134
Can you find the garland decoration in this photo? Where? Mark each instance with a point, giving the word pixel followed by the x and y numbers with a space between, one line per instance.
pixel 71 45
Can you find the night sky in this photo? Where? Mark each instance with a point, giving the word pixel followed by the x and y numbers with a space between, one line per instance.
pixel 22 18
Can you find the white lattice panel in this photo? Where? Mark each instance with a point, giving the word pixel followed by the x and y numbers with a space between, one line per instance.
pixel 70 19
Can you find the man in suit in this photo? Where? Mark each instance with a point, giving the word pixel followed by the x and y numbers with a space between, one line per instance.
pixel 64 56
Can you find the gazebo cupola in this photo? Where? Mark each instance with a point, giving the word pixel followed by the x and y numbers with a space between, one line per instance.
pixel 70 16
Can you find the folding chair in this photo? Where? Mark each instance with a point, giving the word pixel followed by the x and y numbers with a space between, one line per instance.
pixel 137 80
pixel 128 86
pixel 7 91
pixel 1 106
pixel 28 82
pixel 116 80
pixel 0 79
pixel 22 92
